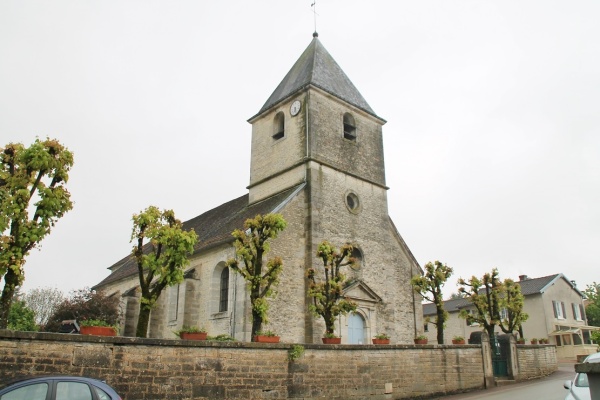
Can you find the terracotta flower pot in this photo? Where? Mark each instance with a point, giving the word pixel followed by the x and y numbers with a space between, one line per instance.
pixel 381 341
pixel 334 340
pixel 98 330
pixel 420 341
pixel 266 339
pixel 458 341
pixel 193 335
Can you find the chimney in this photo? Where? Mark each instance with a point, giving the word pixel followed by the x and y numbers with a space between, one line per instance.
pixel 523 278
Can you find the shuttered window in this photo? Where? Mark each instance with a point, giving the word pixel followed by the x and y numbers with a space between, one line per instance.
pixel 559 309
pixel 576 312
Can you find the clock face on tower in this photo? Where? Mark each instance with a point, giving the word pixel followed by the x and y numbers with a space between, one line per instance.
pixel 295 108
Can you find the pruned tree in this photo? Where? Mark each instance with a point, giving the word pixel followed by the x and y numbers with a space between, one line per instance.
pixel 496 302
pixel 484 295
pixel 430 287
pixel 592 310
pixel 251 246
pixel 43 301
pixel 513 301
pixel 85 304
pixel 326 293
pixel 32 180
pixel 161 254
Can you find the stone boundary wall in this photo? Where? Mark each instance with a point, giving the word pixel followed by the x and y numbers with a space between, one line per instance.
pixel 536 360
pixel 156 369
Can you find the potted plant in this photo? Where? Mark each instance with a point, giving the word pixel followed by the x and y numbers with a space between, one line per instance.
pixel 381 338
pixel 521 340
pixel 421 339
pixel 458 340
pixel 266 337
pixel 544 341
pixel 97 327
pixel 331 338
pixel 534 341
pixel 191 333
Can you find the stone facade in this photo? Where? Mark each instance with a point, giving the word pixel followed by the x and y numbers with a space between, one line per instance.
pixel 329 157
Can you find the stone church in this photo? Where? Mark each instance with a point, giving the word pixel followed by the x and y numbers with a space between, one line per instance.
pixel 317 159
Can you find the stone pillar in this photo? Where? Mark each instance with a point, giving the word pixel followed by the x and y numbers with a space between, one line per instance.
pixel 593 372
pixel 486 355
pixel 512 361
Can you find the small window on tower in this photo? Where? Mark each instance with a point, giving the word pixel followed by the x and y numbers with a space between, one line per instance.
pixel 352 202
pixel 349 127
pixel 358 258
pixel 279 126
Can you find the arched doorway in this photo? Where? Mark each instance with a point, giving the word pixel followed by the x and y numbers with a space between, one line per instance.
pixel 356 329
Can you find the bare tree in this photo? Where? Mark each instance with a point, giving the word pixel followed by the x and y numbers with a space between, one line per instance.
pixel 44 302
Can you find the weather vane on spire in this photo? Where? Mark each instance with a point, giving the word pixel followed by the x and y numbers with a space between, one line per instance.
pixel 314 7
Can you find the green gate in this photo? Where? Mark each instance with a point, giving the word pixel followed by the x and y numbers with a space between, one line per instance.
pixel 500 353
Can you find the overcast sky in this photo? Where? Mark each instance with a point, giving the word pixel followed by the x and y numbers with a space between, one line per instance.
pixel 492 143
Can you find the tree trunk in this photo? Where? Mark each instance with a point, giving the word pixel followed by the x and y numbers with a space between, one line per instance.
pixel 329 323
pixel 10 285
pixel 440 326
pixel 143 321
pixel 256 324
pixel 490 331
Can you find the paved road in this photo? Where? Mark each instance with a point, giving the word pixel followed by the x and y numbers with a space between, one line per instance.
pixel 548 388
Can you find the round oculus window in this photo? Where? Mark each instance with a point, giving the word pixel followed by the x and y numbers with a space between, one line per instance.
pixel 352 202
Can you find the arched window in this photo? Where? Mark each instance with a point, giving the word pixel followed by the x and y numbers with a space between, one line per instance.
pixel 349 127
pixel 358 258
pixel 224 290
pixel 279 126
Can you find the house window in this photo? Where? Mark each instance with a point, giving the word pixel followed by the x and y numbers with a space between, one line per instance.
pixel 558 341
pixel 279 126
pixel 504 314
pixel 576 312
pixel 471 323
pixel 349 127
pixel 559 309
pixel 426 327
pixel 586 337
pixel 224 290
pixel 173 303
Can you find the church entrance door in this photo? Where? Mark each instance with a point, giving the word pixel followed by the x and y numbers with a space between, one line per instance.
pixel 356 329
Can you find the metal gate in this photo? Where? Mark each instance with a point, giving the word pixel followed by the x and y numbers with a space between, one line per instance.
pixel 500 355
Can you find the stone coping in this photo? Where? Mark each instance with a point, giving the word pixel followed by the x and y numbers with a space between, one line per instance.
pixel 125 340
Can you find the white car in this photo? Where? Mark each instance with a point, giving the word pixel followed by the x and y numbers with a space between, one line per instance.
pixel 579 388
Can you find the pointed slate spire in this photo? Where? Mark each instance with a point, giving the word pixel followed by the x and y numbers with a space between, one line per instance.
pixel 316 67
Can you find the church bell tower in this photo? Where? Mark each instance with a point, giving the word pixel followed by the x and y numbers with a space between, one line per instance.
pixel 317 133
pixel 316 115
